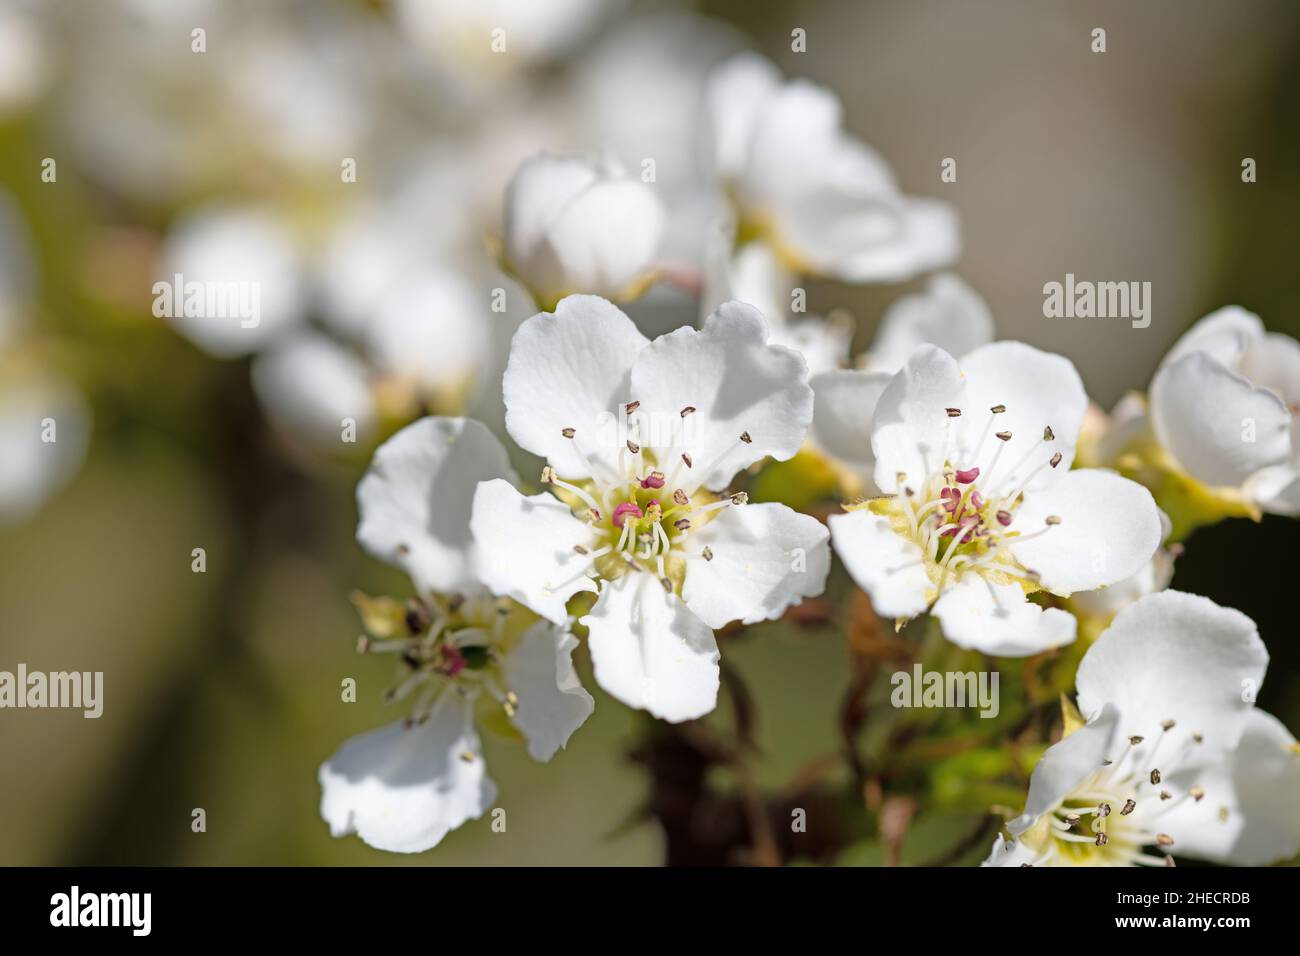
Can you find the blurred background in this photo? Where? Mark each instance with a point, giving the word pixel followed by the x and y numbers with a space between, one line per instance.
pixel 222 687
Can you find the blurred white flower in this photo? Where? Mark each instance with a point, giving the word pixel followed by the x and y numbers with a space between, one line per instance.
pixel 822 198
pixel 241 259
pixel 312 387
pixel 1223 403
pixel 640 436
pixel 25 66
pixel 403 787
pixel 1173 757
pixel 979 505
pixel 574 224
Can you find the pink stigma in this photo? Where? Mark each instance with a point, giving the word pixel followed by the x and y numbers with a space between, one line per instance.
pixel 967 476
pixel 622 511
pixel 453 660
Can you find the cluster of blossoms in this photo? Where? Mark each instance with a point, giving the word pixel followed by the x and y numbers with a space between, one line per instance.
pixel 980 488
pixel 630 323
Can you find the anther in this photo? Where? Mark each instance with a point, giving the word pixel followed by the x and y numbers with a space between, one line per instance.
pixel 1048 435
pixel 1002 436
pixel 1072 819
pixel 688 410
pixel 680 498
pixel 593 515
pixel 1166 795
pixel 1164 839
pixel 1102 839
pixel 707 554
pixel 1197 794
pixel 953 412
pixel 687 459
pixel 668 585
pixel 740 498
pixel 568 432
pixel 580 549
pixel 1103 810
pixel 653 480
pixel 630 407
pixel 1129 807
pixel 682 524
pixel 744 436
pixel 1004 518
pixel 998 409
pixel 548 474
pixel 1155 776
pixel 1055 460
pixel 633 447
pixel 967 476
pixel 1166 725
pixel 1199 738
pixel 467 756
pixel 1052 520
pixel 1136 739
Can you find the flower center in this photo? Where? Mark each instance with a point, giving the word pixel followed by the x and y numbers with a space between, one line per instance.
pixel 1118 815
pixel 962 516
pixel 450 644
pixel 645 504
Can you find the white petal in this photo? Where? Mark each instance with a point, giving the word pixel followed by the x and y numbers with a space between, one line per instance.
pixel 542 186
pixel 1276 489
pixel 1110 529
pixel 765 557
pixel 737 383
pixel 1175 656
pixel 650 651
pixel 1040 390
pixel 1010 853
pixel 1258 783
pixel 996 619
pixel 877 240
pixel 1066 765
pixel 949 314
pixel 415 499
pixel 573 225
pixel 1273 361
pixel 525 548
pixel 311 386
pixel 1219 426
pixel 606 238
pixel 844 404
pixel 888 566
pixel 571 369
pixel 736 94
pixel 1224 335
pixel 552 702
pixel 403 789
pixel 246 274
pixel 911 430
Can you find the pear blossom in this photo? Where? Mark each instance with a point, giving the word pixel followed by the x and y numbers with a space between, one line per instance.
pixel 641 437
pixel 947 313
pixel 821 197
pixel 1224 404
pixel 1170 756
pixel 311 385
pixel 979 507
pixel 462 650
pixel 578 224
